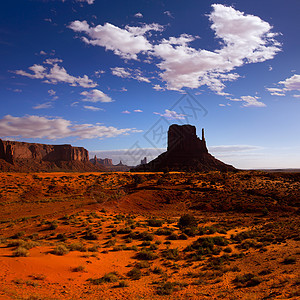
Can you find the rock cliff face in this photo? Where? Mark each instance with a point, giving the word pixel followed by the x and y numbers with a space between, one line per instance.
pixel 21 156
pixel 185 152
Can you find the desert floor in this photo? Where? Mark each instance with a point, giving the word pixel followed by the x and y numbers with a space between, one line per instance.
pixel 149 235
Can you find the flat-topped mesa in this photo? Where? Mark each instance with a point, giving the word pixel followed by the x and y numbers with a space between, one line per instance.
pixel 21 156
pixel 183 139
pixel 11 151
pixel 185 152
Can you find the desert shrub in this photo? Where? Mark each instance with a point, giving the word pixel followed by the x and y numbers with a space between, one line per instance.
pixel 190 231
pixel 79 269
pixel 122 284
pixel 146 255
pixel 155 222
pixel 135 273
pixel 89 235
pixel 207 230
pixel 146 236
pixel 289 260
pixel 61 236
pixel 53 225
pixel 38 276
pixel 142 265
pixel 77 247
pixel 145 243
pixel 171 253
pixel 182 236
pixel 18 235
pixel 247 280
pixel 173 236
pixel 110 243
pixel 153 247
pixel 164 231
pixel 187 220
pixel 21 243
pixel 227 250
pixel 125 230
pixel 20 252
pixel 60 250
pixel 94 248
pixel 108 277
pixel 157 270
pixel 166 288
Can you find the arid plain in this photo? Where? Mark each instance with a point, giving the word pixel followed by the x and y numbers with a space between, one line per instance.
pixel 174 235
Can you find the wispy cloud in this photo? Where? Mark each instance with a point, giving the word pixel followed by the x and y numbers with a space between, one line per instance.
pixel 31 126
pixel 93 108
pixel 56 74
pixel 290 84
pixel 171 115
pixel 248 101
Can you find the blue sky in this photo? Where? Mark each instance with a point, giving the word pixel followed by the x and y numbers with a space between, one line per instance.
pixel 110 75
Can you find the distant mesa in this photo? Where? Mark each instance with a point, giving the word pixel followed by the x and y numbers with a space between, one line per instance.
pixel 33 157
pixel 185 152
pixel 107 163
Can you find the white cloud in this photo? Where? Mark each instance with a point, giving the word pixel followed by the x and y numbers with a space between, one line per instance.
pixel 249 101
pixel 296 96
pixel 95 96
pixel 31 126
pixel 43 52
pixel 93 108
pixel 168 13
pixel 157 87
pixel 138 110
pixel 243 38
pixel 171 115
pixel 129 73
pixel 126 43
pixel 138 15
pixel 125 112
pixel 43 105
pixel 246 39
pixel 87 1
pixel 56 74
pixel 290 84
pixel 222 104
pixel 52 61
pixel 51 92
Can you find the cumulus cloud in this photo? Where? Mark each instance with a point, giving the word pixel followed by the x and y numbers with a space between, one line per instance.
pixel 138 110
pixel 138 15
pixel 93 108
pixel 125 112
pixel 129 73
pixel 127 42
pixel 249 101
pixel 95 96
pixel 31 126
pixel 56 74
pixel 290 84
pixel 243 39
pixel 171 115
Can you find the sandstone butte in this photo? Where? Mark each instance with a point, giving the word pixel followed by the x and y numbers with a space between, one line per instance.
pixel 185 152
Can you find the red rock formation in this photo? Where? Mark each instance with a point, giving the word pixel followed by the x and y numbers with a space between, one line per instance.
pixel 21 156
pixel 186 152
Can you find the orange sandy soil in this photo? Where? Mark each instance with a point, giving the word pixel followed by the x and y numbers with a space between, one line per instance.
pixel 246 223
